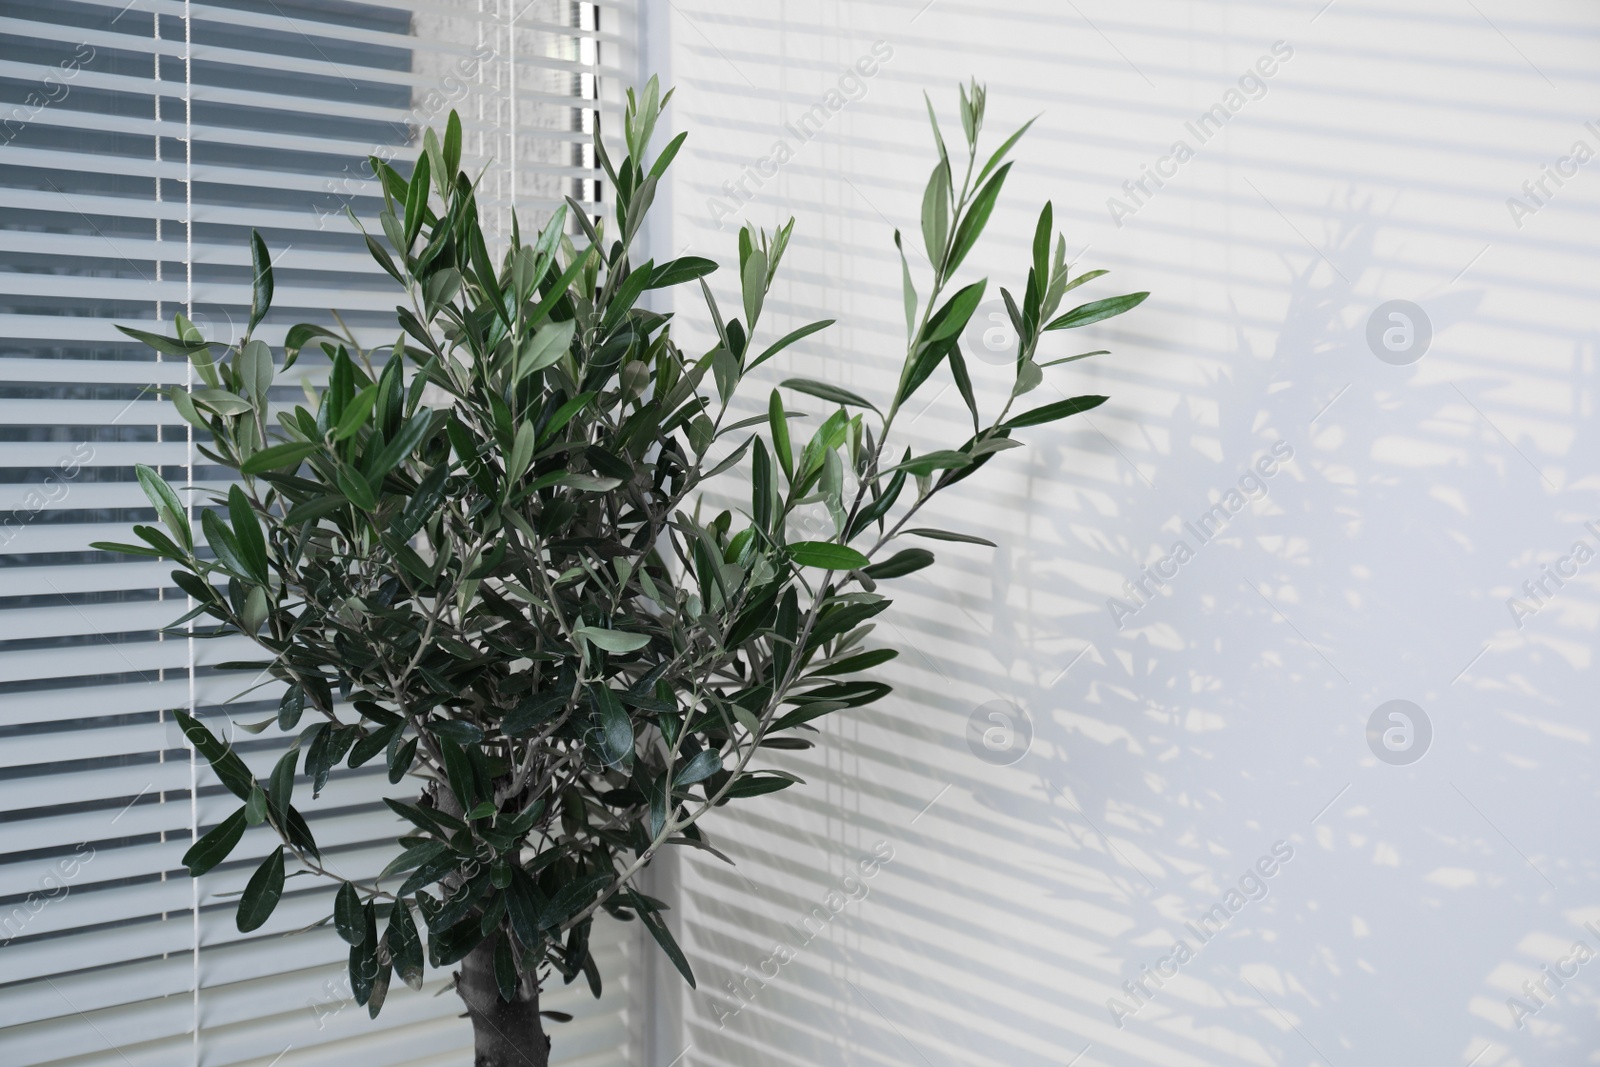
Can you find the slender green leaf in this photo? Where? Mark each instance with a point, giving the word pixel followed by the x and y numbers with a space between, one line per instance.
pixel 214 847
pixel 1051 412
pixel 827 555
pixel 348 916
pixel 824 391
pixel 703 766
pixel 261 893
pixel 452 143
pixel 229 768
pixel 946 535
pixel 906 561
pixel 1084 314
pixel 247 534
pixel 787 340
pixel 678 271
pixel 976 218
pixel 288 455
pixel 658 929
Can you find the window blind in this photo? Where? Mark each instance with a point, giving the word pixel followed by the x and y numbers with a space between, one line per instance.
pixel 139 144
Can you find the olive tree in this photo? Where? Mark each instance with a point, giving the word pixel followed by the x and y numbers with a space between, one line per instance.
pixel 478 554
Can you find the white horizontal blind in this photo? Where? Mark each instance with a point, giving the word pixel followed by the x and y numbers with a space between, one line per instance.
pixel 139 144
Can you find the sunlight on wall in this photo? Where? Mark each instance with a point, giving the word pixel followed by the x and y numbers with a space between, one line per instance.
pixel 1424 472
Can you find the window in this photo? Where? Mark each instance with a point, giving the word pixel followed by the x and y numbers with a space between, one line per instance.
pixel 140 142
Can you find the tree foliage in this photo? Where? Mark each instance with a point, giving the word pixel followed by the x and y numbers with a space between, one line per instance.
pixel 477 554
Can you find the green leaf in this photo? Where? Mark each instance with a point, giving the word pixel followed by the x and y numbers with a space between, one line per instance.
pixel 412 434
pixel 416 201
pixel 658 929
pixel 664 160
pixel 535 710
pixel 247 534
pixel 1029 378
pixel 290 707
pixel 862 662
pixel 936 212
pixel 220 401
pixel 564 414
pixel 977 216
pixel 956 313
pixel 348 916
pixel 1080 355
pixel 779 422
pixel 186 409
pixel 261 282
pixel 173 346
pixel 938 138
pixel 678 271
pixel 703 766
pixel 457 730
pixel 1000 153
pixel 128 550
pixel 506 979
pixel 555 292
pixel 223 544
pixel 169 509
pixel 229 768
pixel 548 344
pixel 588 483
pixel 373 743
pixel 414 857
pixel 526 908
pixel 1042 232
pixel 824 391
pixel 255 368
pixel 1084 314
pixel 827 555
pixel 355 414
pixel 161 542
pixel 279 457
pixel 460 772
pixel 908 289
pixel 262 893
pixel 611 731
pixel 1051 412
pixel 214 847
pixel 753 283
pixel 355 487
pixel 924 465
pixel 612 640
pixel 946 535
pixel 755 785
pixel 405 945
pixel 452 143
pixel 904 562
pixel 364 967
pixel 255 809
pixel 383 259
pixel 573 898
pixel 958 371
pixel 400 760
pixel 787 340
pixel 281 784
pixel 1086 276
pixel 302 334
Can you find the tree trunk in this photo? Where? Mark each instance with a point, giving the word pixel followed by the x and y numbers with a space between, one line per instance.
pixel 504 1035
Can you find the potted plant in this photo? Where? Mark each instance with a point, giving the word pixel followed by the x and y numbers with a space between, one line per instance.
pixel 477 556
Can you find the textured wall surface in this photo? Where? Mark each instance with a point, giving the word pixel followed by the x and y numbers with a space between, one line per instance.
pixel 1385 894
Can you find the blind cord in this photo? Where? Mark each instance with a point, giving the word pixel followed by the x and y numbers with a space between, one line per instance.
pixel 188 463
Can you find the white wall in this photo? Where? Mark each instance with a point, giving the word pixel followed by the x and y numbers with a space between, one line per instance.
pixel 1232 712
